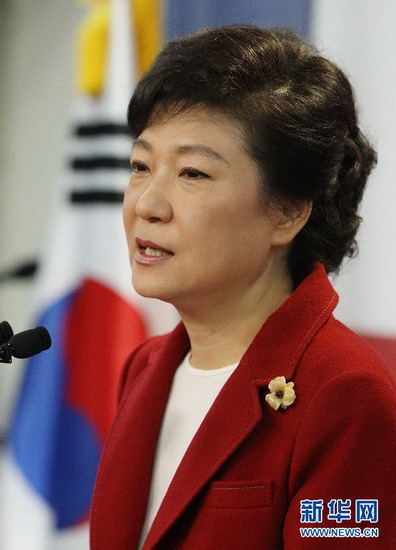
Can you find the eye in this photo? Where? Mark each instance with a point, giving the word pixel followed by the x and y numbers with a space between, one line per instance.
pixel 138 167
pixel 193 174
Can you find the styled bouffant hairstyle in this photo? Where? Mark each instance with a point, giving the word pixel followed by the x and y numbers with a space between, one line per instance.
pixel 297 112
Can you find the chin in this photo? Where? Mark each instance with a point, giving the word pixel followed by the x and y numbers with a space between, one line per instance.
pixel 150 289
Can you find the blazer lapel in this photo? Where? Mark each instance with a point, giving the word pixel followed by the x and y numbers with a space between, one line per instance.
pixel 232 417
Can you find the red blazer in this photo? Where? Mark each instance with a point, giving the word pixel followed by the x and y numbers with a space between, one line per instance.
pixel 245 473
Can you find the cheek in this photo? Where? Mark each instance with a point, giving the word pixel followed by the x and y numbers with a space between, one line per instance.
pixel 210 233
pixel 125 215
pixel 128 211
pixel 128 216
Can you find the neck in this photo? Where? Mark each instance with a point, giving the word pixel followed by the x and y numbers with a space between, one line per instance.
pixel 221 333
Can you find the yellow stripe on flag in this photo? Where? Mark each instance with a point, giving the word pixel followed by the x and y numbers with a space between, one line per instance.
pixel 147 18
pixel 93 40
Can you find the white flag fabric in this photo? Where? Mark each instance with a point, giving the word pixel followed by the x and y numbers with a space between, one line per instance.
pixel 85 299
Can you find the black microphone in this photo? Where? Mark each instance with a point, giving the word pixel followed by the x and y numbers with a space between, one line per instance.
pixel 5 332
pixel 25 344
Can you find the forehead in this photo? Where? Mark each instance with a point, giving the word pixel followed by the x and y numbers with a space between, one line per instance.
pixel 206 122
pixel 201 131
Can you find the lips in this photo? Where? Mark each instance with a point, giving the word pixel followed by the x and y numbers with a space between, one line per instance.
pixel 150 253
pixel 151 248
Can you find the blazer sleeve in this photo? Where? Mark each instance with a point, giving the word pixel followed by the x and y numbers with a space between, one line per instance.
pixel 346 449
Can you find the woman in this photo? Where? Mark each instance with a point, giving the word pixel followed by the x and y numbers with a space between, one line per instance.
pixel 260 413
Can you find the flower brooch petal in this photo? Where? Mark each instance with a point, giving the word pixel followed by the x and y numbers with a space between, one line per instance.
pixel 282 393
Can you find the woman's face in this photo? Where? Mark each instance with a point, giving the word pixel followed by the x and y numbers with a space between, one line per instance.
pixel 196 230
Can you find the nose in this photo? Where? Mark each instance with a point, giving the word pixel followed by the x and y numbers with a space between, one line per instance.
pixel 153 204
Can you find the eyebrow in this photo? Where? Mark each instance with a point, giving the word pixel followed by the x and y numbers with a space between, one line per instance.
pixel 194 148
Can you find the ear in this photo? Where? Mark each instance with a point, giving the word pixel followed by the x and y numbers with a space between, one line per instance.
pixel 288 220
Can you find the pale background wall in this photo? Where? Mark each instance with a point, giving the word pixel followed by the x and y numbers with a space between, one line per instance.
pixel 37 41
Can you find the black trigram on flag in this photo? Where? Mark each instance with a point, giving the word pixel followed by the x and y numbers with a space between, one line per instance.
pixel 100 166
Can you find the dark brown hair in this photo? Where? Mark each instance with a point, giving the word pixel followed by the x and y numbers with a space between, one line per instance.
pixel 298 113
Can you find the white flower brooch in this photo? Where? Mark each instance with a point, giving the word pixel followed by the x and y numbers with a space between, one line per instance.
pixel 282 394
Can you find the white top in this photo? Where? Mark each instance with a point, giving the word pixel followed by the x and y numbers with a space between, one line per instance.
pixel 192 393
